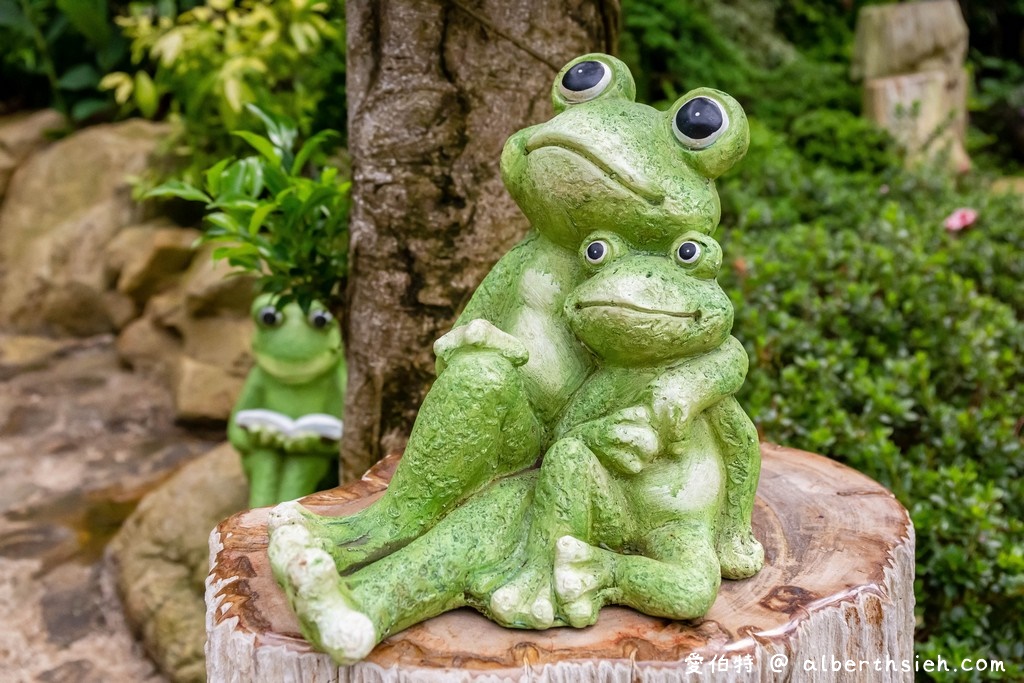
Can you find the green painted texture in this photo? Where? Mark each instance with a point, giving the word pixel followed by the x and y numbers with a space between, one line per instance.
pixel 581 445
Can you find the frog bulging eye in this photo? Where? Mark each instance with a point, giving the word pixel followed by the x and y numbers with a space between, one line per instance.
pixel 699 122
pixel 688 253
pixel 585 81
pixel 596 252
pixel 320 319
pixel 269 316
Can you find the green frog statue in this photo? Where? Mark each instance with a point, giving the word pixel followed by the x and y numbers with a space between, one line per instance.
pixel 286 423
pixel 600 348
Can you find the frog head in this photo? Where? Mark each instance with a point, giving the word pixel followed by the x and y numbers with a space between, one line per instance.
pixel 642 308
pixel 292 346
pixel 606 162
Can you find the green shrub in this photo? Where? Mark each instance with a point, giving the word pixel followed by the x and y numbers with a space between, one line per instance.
pixel 275 218
pixel 673 46
pixel 842 140
pixel 880 339
pixel 54 54
pixel 203 67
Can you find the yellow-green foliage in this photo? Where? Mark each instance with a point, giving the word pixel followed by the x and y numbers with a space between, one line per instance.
pixel 206 64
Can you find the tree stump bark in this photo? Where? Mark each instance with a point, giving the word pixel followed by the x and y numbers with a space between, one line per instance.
pixel 837 588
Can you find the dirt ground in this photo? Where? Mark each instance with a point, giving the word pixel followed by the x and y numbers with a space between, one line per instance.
pixel 82 439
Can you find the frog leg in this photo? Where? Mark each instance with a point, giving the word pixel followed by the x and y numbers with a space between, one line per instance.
pixel 740 554
pixel 301 472
pixel 677 576
pixel 456 563
pixel 262 467
pixel 475 425
pixel 575 495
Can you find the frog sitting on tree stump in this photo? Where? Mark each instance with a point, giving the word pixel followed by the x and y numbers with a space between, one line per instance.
pixel 600 347
pixel 605 171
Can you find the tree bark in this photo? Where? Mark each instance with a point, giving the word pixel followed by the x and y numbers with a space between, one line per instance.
pixel 434 89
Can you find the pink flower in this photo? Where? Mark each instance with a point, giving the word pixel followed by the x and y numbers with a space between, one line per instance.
pixel 960 219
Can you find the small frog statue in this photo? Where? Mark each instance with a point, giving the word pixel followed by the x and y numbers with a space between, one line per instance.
pixel 599 346
pixel 286 421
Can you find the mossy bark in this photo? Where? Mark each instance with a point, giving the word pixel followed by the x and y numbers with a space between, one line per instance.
pixel 435 88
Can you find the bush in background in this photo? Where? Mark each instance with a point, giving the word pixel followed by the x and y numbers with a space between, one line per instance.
pixel 54 54
pixel 876 336
pixel 202 67
pixel 279 215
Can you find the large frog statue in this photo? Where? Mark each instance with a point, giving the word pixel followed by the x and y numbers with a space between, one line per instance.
pixel 597 524
pixel 286 421
pixel 642 180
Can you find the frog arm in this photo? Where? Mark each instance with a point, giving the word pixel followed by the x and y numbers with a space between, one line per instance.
pixel 624 441
pixel 479 324
pixel 252 396
pixel 685 391
pixel 629 439
pixel 739 552
pixel 494 297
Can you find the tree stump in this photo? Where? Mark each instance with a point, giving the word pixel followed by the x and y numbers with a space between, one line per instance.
pixel 836 590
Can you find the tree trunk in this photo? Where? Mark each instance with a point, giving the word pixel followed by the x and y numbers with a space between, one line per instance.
pixel 434 89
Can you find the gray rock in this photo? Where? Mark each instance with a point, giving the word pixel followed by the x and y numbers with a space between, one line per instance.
pixel 21 135
pixel 63 206
pixel 160 558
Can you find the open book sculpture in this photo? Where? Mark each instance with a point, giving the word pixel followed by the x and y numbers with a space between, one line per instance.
pixel 285 423
pixel 599 347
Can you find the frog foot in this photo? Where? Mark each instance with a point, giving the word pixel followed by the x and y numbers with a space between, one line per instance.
pixel 525 602
pixel 328 616
pixel 352 541
pixel 580 573
pixel 741 555
pixel 287 542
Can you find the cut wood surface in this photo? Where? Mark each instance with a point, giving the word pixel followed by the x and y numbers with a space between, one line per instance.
pixel 837 584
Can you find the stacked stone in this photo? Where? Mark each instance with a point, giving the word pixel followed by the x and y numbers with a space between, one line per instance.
pixel 911 57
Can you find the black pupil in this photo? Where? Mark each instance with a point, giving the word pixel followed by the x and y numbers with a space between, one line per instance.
pixel 595 251
pixel 319 319
pixel 699 118
pixel 583 76
pixel 269 316
pixel 687 251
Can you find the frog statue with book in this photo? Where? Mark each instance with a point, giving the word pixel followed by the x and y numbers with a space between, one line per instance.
pixel 581 445
pixel 285 423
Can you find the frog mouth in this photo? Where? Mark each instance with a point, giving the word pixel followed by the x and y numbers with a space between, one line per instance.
pixel 694 315
pixel 544 139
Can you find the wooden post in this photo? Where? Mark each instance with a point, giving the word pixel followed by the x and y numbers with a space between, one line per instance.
pixel 837 590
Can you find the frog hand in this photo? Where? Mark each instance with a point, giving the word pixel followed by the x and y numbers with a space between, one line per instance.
pixel 480 335
pixel 263 436
pixel 681 395
pixel 308 442
pixel 625 441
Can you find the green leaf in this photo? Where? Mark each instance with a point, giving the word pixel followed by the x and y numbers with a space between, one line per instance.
pixel 260 215
pixel 12 17
pixel 83 109
pixel 214 175
pixel 146 96
pixel 89 17
pixel 310 147
pixel 281 130
pixel 260 144
pixel 176 188
pixel 225 222
pixel 81 77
